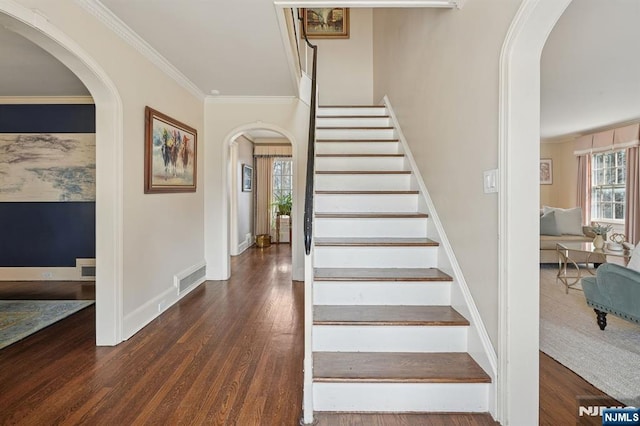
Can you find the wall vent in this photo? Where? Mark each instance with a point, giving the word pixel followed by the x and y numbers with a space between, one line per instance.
pixel 88 271
pixel 190 278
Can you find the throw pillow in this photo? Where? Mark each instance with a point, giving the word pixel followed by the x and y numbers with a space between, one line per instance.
pixel 634 262
pixel 569 221
pixel 548 224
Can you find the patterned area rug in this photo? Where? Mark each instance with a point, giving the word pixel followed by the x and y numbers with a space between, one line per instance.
pixel 20 318
pixel 609 359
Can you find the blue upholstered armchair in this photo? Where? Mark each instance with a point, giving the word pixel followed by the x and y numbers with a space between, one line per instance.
pixel 615 290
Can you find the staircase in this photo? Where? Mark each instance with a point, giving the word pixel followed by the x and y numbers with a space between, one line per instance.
pixel 385 337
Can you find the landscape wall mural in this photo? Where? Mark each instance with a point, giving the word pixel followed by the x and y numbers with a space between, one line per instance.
pixel 47 167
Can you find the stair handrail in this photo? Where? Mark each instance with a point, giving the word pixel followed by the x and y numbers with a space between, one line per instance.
pixel 308 198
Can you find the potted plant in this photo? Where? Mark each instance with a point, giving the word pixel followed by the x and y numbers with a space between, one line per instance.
pixel 283 202
pixel 600 232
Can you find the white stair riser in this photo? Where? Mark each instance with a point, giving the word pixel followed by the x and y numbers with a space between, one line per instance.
pixel 355 133
pixel 400 228
pixel 434 293
pixel 389 397
pixel 324 111
pixel 361 163
pixel 368 182
pixel 353 122
pixel 376 257
pixel 346 338
pixel 357 148
pixel 404 203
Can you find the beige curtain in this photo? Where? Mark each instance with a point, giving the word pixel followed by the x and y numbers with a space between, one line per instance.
pixel 632 209
pixel 264 189
pixel 584 187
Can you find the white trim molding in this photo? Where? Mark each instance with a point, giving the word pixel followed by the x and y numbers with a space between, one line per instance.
pixel 50 100
pixel 371 3
pixel 250 100
pixel 518 204
pixel 115 24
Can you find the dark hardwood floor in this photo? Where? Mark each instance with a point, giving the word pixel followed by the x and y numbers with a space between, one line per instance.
pixel 229 353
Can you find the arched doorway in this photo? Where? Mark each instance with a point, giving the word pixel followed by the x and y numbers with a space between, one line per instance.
pixel 519 151
pixel 231 186
pixel 109 163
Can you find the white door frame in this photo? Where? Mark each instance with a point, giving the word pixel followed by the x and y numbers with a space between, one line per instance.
pixel 519 245
pixel 109 161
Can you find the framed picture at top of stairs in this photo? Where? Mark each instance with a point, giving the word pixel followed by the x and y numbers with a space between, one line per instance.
pixel 328 22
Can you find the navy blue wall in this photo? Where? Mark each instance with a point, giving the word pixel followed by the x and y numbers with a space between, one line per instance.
pixel 51 233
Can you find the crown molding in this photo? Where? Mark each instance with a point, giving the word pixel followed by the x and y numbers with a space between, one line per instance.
pixel 46 100
pixel 250 99
pixel 115 24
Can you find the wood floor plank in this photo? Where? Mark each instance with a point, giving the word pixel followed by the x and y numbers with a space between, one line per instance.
pixel 387 315
pixel 435 367
pixel 424 242
pixel 380 274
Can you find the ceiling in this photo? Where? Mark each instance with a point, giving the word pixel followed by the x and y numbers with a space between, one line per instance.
pixel 589 67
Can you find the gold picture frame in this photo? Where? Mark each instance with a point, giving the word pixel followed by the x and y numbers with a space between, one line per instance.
pixel 170 161
pixel 327 22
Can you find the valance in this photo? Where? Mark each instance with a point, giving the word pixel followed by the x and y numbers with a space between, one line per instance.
pixel 608 140
pixel 278 150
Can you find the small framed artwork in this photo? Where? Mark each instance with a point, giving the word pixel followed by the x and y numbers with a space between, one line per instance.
pixel 329 22
pixel 247 178
pixel 170 160
pixel 546 171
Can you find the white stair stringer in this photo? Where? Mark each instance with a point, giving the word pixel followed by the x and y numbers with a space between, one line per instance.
pixel 386 287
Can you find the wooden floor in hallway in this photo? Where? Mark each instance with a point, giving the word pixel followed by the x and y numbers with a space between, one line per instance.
pixel 229 353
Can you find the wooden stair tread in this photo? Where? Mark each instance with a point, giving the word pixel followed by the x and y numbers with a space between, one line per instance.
pixel 359 155
pixel 363 172
pixel 403 367
pixel 352 106
pixel 357 140
pixel 380 274
pixel 366 192
pixel 390 315
pixel 368 215
pixel 352 116
pixel 426 242
pixel 355 128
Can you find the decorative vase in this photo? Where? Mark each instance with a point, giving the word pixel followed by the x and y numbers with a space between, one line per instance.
pixel 598 242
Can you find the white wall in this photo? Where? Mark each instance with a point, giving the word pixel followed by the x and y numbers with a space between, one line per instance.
pixel 345 66
pixel 244 213
pixel 163 233
pixel 440 71
pixel 225 119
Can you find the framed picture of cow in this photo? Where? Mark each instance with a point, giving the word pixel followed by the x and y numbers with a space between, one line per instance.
pixel 170 161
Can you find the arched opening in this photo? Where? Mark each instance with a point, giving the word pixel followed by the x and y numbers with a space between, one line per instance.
pixel 274 143
pixel 519 153
pixel 109 140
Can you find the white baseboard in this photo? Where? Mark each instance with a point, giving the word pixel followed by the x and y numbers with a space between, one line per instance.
pixel 48 273
pixel 152 309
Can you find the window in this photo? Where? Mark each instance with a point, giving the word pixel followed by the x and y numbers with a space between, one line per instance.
pixel 282 180
pixel 608 172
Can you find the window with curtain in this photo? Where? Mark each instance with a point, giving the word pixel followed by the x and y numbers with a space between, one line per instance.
pixel 282 179
pixel 608 185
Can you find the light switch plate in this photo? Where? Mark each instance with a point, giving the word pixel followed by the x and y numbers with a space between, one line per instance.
pixel 490 181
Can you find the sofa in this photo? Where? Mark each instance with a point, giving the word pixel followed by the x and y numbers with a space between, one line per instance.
pixel 562 226
pixel 615 290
